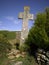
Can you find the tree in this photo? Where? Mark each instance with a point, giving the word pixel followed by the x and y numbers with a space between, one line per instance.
pixel 38 36
pixel 47 23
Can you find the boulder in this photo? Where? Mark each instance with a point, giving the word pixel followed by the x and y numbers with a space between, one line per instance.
pixel 18 63
pixel 11 57
pixel 18 55
pixel 47 54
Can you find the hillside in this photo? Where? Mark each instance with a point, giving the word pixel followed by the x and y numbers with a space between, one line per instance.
pixel 12 36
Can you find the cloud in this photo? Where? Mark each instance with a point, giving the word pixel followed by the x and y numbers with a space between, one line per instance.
pixel 10 18
pixel 3 27
pixel 0 23
pixel 16 22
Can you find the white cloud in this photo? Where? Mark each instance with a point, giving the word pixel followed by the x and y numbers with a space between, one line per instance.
pixel 0 23
pixel 3 27
pixel 10 18
pixel 16 22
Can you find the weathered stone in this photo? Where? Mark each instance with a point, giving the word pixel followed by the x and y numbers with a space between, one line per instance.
pixel 25 16
pixel 47 53
pixel 11 57
pixel 41 57
pixel 23 53
pixel 40 50
pixel 18 63
pixel 18 55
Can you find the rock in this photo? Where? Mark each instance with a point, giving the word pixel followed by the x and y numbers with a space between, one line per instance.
pixel 11 57
pixel 23 53
pixel 42 56
pixel 10 53
pixel 18 63
pixel 47 53
pixel 18 55
pixel 40 50
pixel 15 52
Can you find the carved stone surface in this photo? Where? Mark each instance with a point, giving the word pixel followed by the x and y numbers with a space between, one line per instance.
pixel 25 16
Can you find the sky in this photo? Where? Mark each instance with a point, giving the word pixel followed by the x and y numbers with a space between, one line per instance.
pixel 9 10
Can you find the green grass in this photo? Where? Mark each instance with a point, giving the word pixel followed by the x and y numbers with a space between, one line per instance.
pixel 28 60
pixel 3 53
pixel 9 34
pixel 25 61
pixel 4 60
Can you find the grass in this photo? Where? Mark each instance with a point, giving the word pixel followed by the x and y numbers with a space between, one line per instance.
pixel 9 34
pixel 4 60
pixel 28 60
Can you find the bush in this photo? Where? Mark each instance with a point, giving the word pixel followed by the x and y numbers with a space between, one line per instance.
pixel 5 46
pixel 24 47
pixel 27 60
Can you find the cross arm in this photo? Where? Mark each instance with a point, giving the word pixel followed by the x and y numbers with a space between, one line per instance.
pixel 31 16
pixel 20 15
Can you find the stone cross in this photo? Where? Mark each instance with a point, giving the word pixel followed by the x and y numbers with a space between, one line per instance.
pixel 25 16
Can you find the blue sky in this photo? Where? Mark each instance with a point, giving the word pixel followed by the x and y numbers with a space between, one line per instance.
pixel 9 10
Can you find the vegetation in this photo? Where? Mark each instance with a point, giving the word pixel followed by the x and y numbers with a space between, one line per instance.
pixel 4 44
pixel 5 47
pixel 27 60
pixel 38 36
pixel 9 34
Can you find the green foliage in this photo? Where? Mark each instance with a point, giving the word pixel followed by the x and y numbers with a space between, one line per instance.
pixel 39 34
pixel 47 23
pixel 27 60
pixel 4 44
pixel 24 47
pixel 9 34
pixel 4 60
